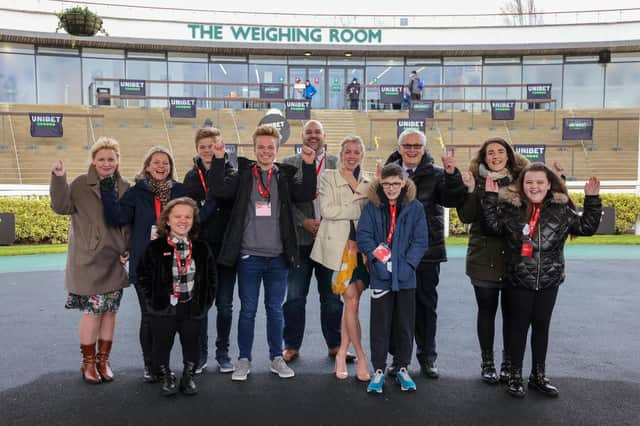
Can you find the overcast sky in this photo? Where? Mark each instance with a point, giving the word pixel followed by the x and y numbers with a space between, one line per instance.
pixel 349 7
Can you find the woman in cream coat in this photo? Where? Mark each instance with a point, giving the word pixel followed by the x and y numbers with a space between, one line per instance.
pixel 342 196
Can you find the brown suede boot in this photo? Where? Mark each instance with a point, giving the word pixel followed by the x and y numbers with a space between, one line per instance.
pixel 104 349
pixel 89 371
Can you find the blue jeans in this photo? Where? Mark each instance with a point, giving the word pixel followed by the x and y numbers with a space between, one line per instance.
pixel 295 306
pixel 272 272
pixel 224 305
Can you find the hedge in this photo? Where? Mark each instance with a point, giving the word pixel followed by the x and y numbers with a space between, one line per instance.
pixel 37 223
pixel 627 210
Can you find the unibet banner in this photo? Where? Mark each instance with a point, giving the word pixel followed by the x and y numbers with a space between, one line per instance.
pixel 420 110
pixel 45 125
pixel 298 109
pixel 279 122
pixel 532 152
pixel 539 91
pixel 132 88
pixel 232 152
pixel 182 107
pixel 503 110
pixel 403 125
pixel 391 94
pixel 575 129
pixel 297 148
pixel 271 90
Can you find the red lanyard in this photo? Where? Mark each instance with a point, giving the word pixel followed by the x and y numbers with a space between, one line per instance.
pixel 204 185
pixel 264 192
pixel 183 268
pixel 320 164
pixel 392 212
pixel 533 220
pixel 158 205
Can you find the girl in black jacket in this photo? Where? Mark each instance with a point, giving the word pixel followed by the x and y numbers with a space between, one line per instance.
pixel 177 276
pixel 536 222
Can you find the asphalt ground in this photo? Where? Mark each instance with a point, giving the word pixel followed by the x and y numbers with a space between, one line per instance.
pixel 593 359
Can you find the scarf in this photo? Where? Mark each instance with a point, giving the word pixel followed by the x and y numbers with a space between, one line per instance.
pixel 503 177
pixel 161 190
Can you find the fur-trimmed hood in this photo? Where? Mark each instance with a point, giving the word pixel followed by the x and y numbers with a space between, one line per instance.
pixel 510 195
pixel 409 192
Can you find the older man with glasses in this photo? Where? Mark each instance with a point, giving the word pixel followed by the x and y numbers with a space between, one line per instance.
pixel 436 187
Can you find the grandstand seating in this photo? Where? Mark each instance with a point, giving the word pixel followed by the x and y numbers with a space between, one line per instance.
pixel 613 154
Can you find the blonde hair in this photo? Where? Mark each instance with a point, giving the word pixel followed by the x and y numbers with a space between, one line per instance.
pixel 207 132
pixel 105 142
pixel 266 130
pixel 142 174
pixel 352 139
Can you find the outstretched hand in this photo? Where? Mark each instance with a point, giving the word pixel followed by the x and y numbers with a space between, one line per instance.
pixel 558 169
pixel 490 185
pixel 469 181
pixel 58 168
pixel 592 186
pixel 449 162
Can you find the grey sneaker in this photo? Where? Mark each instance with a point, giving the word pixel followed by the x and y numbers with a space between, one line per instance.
pixel 242 371
pixel 226 366
pixel 279 367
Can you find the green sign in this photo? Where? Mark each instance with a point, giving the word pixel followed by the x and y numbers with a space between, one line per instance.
pixel 336 87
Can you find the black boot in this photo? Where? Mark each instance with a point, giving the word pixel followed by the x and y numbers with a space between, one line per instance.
pixel 539 382
pixel 168 381
pixel 187 385
pixel 488 371
pixel 516 387
pixel 505 368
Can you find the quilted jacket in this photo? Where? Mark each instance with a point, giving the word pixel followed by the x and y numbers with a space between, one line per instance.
pixel 545 268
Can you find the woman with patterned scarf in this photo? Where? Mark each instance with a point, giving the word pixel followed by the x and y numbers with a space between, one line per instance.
pixel 140 207
pixel 485 262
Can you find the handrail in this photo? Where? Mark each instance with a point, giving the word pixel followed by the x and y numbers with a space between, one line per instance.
pixel 15 149
pixel 74 115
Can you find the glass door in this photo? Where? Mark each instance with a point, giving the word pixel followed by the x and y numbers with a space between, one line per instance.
pixel 339 79
pixel 297 78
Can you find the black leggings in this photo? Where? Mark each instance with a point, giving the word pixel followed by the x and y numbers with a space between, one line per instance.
pixel 529 308
pixel 487 299
pixel 145 329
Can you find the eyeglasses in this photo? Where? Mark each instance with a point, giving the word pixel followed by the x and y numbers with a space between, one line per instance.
pixel 411 146
pixel 389 185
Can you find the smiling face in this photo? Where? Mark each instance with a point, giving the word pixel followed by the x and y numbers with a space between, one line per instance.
pixel 266 148
pixel 351 155
pixel 180 220
pixel 159 166
pixel 535 186
pixel 392 186
pixel 313 136
pixel 106 162
pixel 496 157
pixel 411 150
pixel 205 149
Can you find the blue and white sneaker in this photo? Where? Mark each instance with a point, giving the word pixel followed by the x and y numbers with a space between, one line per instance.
pixel 406 382
pixel 376 383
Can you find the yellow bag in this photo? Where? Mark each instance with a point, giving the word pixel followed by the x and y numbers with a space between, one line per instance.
pixel 343 276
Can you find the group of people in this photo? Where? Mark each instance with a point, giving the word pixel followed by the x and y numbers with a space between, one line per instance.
pixel 274 225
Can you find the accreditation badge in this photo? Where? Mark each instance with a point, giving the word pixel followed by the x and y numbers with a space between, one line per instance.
pixel 263 209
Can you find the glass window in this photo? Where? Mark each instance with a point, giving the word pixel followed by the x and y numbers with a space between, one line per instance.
pixel 468 74
pixel 515 60
pixel 622 85
pixel 255 59
pixel 430 75
pixel 307 60
pixel 17 78
pixel 267 74
pixel 232 77
pixel 625 57
pixel 188 71
pixel 583 86
pixel 93 68
pixel 17 48
pixel 424 61
pixel 59 80
pixel 213 58
pixel 543 74
pixel 385 61
pixel 469 60
pixel 146 55
pixel 149 70
pixel 502 74
pixel 58 51
pixel 187 57
pixel 346 61
pixel 588 58
pixel 377 75
pixel 103 53
pixel 553 59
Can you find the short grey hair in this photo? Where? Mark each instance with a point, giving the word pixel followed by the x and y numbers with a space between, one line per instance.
pixel 404 134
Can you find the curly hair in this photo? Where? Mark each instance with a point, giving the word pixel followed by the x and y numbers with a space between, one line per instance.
pixel 163 220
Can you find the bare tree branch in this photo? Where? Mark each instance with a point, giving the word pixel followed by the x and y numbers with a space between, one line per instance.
pixel 521 12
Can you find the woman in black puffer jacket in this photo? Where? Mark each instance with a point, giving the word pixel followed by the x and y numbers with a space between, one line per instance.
pixel 536 222
pixel 485 260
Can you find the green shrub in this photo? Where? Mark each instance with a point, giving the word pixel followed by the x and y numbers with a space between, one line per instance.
pixel 35 221
pixel 627 211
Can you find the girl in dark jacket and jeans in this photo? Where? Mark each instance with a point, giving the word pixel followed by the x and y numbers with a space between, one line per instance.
pixel 177 277
pixel 485 261
pixel 536 222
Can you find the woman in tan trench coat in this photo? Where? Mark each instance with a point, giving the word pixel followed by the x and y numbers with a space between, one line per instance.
pixel 342 196
pixel 94 275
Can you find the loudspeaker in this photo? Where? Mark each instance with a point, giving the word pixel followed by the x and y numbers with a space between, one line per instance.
pixel 604 57
pixel 7 228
